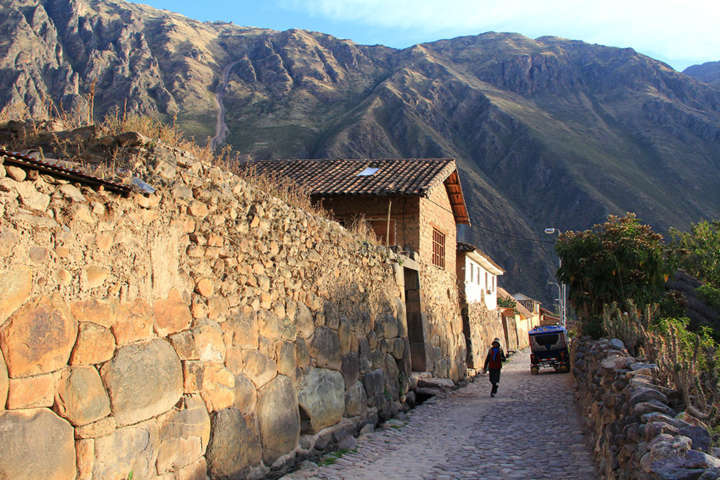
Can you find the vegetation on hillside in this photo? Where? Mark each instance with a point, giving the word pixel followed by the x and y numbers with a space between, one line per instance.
pixel 617 272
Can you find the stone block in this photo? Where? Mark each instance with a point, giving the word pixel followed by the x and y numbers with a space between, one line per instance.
pixel 241 331
pixel 324 348
pixel 95 276
pixel 195 471
pixel 184 345
pixel 256 366
pixel 205 287
pixel 245 395
pixel 321 398
pixel 217 308
pixel 71 192
pixel 274 327
pixel 94 344
pixel 175 453
pixel 235 444
pixel 36 444
pixel 398 347
pixel 39 337
pixel 171 315
pixel 32 392
pixel 85 458
pixel 104 241
pixel 209 341
pixel 16 173
pixel 374 383
pixel 350 368
pixel 38 254
pixel 345 336
pixel 95 311
pixel 134 322
pixel 355 400
pixel 144 380
pixel 304 321
pixel 191 419
pixel 80 396
pixel 278 418
pixel 647 394
pixel 98 429
pixel 390 326
pixel 217 387
pixel 31 198
pixel 285 358
pixel 192 375
pixel 129 449
pixel 197 209
pixel 164 258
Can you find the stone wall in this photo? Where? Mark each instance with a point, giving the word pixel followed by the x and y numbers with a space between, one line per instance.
pixel 483 325
pixel 444 339
pixel 207 328
pixel 523 326
pixel 637 429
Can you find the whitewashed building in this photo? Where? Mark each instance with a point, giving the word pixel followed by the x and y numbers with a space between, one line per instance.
pixel 480 276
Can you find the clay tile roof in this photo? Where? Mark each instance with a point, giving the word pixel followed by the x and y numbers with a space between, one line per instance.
pixel 385 177
pixel 60 169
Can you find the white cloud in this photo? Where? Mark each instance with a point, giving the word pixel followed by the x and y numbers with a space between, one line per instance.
pixel 673 29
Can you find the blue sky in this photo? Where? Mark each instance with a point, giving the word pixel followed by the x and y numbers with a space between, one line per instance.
pixel 678 32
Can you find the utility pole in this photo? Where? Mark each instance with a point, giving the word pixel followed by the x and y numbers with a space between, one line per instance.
pixel 562 287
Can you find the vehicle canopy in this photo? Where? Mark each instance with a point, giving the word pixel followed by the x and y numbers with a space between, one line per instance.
pixel 548 338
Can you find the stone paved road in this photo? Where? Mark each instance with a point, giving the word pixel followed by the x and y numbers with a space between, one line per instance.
pixel 531 430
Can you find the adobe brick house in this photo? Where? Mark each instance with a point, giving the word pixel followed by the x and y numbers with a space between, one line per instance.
pixel 477 283
pixel 533 307
pixel 414 205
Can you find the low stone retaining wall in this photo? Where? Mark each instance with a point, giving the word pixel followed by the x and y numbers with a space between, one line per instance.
pixel 637 431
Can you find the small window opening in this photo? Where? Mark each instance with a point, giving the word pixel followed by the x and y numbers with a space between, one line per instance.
pixel 368 172
pixel 438 256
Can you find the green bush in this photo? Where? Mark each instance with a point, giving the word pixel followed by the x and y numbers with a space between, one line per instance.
pixel 698 251
pixel 614 261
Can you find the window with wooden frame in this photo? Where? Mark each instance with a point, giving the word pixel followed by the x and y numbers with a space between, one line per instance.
pixel 438 256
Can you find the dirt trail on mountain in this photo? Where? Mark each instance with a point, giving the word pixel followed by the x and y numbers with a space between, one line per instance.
pixel 221 129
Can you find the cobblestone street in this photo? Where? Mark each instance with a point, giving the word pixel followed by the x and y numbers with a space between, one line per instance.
pixel 531 430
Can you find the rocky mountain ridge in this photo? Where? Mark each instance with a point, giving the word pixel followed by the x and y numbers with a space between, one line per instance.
pixel 708 72
pixel 546 132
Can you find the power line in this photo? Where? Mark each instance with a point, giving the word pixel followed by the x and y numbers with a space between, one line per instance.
pixel 498 232
pixel 516 237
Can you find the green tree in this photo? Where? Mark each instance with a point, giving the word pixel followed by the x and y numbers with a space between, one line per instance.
pixel 698 251
pixel 616 261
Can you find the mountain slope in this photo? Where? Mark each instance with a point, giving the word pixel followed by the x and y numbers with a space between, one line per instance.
pixel 547 132
pixel 708 72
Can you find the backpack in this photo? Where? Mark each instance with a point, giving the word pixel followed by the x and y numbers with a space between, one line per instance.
pixel 495 359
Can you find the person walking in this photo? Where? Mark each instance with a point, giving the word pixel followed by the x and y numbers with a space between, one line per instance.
pixel 493 362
